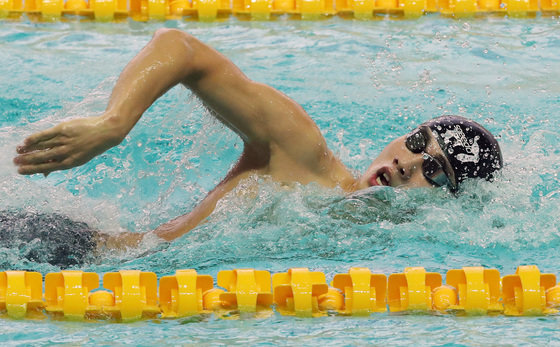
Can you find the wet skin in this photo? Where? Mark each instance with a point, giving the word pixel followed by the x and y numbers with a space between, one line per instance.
pixel 397 166
pixel 280 139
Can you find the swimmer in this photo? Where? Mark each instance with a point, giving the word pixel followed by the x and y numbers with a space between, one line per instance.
pixel 48 238
pixel 280 139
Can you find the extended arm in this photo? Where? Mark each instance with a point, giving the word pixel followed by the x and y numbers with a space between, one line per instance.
pixel 264 118
pixel 171 57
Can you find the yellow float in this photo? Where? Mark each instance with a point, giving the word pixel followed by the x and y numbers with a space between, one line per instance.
pixel 209 10
pixel 130 295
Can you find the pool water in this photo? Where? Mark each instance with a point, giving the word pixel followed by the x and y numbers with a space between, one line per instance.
pixel 364 83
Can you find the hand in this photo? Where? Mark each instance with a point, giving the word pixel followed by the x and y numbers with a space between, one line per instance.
pixel 66 145
pixel 121 241
pixel 177 227
pixel 167 231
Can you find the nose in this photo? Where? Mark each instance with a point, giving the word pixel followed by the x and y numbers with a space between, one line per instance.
pixel 406 166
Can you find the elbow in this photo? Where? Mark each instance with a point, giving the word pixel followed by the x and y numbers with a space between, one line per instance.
pixel 169 35
pixel 176 43
pixel 173 38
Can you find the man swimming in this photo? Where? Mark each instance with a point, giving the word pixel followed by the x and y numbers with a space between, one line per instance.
pixel 280 139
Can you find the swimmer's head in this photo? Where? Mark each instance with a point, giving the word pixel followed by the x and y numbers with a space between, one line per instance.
pixel 472 151
pixel 444 151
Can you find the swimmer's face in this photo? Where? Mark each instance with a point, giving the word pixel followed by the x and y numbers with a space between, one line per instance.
pixel 398 166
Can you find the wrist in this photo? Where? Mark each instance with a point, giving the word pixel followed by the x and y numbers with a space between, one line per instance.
pixel 114 128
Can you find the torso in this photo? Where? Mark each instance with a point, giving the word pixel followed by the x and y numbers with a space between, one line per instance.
pixel 282 168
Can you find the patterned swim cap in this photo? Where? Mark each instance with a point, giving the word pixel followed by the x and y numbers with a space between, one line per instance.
pixel 472 151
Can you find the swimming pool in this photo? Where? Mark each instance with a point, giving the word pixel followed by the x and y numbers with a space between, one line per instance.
pixel 364 83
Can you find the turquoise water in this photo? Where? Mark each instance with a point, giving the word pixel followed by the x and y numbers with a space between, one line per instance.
pixel 364 83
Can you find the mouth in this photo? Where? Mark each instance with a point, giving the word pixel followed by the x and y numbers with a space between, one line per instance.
pixel 381 178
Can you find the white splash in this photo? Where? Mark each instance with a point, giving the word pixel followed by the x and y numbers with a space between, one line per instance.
pixel 456 137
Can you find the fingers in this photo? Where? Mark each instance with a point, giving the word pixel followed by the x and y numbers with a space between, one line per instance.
pixel 44 161
pixel 38 140
pixel 42 156
pixel 51 143
pixel 45 168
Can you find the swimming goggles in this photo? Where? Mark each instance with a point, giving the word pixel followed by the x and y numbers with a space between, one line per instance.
pixel 432 168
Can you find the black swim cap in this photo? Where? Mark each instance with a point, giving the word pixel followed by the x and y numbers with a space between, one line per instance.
pixel 47 238
pixel 472 151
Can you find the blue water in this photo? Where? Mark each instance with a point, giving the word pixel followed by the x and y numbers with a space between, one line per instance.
pixel 364 83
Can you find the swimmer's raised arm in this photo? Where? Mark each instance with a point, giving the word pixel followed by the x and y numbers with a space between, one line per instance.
pixel 280 139
pixel 172 57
